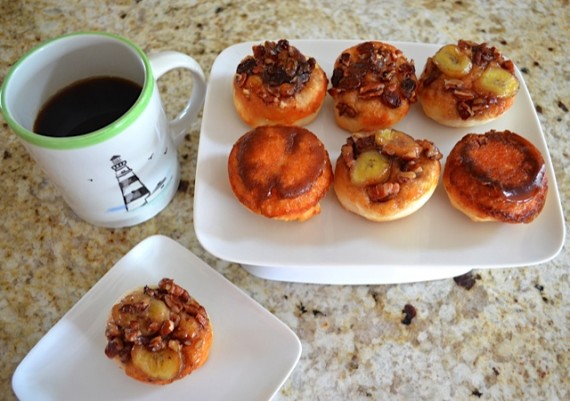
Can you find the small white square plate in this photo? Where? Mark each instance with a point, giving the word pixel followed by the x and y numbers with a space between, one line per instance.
pixel 340 247
pixel 252 354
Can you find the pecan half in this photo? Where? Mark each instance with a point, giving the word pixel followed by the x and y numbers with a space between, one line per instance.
pixel 383 192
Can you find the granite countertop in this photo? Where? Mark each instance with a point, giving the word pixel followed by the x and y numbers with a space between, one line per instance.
pixel 507 337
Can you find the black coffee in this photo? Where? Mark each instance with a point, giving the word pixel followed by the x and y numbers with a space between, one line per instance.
pixel 86 106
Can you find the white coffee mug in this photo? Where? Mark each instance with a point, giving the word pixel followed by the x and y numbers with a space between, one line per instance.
pixel 126 172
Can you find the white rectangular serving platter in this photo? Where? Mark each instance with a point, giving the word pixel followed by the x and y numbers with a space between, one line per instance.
pixel 338 247
pixel 252 353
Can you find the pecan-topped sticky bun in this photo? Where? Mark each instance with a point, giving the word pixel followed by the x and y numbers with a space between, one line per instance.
pixel 386 175
pixel 278 85
pixel 496 176
pixel 373 86
pixel 159 334
pixel 467 84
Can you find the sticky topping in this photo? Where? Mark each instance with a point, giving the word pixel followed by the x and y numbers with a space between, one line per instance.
pixel 283 69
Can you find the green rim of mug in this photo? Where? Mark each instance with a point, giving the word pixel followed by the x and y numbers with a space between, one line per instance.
pixel 94 137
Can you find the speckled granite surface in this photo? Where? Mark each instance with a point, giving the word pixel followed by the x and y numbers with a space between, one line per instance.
pixel 506 338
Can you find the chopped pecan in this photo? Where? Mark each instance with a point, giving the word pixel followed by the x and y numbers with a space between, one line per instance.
pixel 463 94
pixel 156 344
pixel 429 149
pixel 406 176
pixel 509 66
pixel 114 347
pixel 173 303
pixel 152 327
pixel 174 345
pixel 134 307
pixel 383 192
pixel 202 319
pixel 464 110
pixel 347 153
pixel 346 110
pixel 371 89
pixel 132 332
pixel 449 83
pixel 166 328
pixel 412 165
pixel 112 330
pixel 483 54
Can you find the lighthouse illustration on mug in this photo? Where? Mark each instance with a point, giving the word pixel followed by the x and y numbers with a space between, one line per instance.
pixel 135 192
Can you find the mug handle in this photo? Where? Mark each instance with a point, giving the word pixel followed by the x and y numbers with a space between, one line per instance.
pixel 165 61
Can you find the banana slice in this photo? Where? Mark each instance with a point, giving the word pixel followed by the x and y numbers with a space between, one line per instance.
pixel 498 81
pixel 163 365
pixel 397 143
pixel 452 62
pixel 158 311
pixel 143 309
pixel 371 167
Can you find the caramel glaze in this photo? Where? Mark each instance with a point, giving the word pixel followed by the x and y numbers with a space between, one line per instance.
pixel 270 162
pixel 499 174
pixel 279 170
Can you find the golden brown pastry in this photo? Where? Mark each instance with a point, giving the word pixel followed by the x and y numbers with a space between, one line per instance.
pixel 496 176
pixel 278 85
pixel 159 334
pixel 373 86
pixel 467 84
pixel 386 175
pixel 280 172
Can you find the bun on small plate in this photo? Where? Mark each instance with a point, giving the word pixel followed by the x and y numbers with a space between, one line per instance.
pixel 278 85
pixel 496 176
pixel 467 84
pixel 386 175
pixel 158 334
pixel 280 172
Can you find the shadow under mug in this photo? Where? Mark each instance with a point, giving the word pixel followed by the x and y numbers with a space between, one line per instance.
pixel 126 172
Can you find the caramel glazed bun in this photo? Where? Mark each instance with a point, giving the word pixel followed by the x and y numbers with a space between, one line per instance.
pixel 496 176
pixel 373 86
pixel 159 334
pixel 278 85
pixel 467 84
pixel 386 175
pixel 280 172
